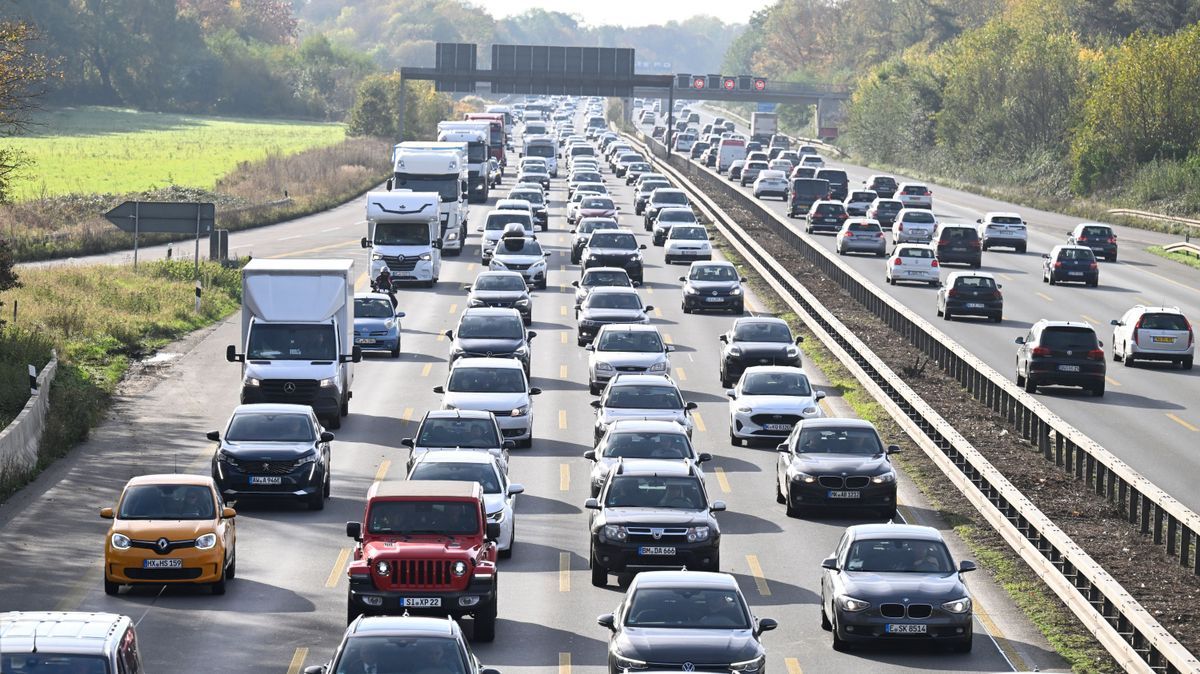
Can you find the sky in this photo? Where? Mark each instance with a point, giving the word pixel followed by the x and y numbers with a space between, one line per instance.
pixel 632 12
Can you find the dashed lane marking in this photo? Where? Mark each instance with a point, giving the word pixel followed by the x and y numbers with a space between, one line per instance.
pixel 564 572
pixel 425 370
pixel 657 312
pixel 1045 297
pixel 562 310
pixel 562 371
pixel 793 666
pixel 667 338
pixel 339 565
pixel 699 421
pixel 1089 319
pixel 361 281
pixel 471 267
pixel 563 334
pixel 318 249
pixel 1111 381
pixel 562 419
pixel 298 659
pixel 407 415
pixel 760 580
pixel 1002 642
pixel 564 663
pixel 1183 423
pixel 564 477
pixel 680 374
pixel 722 480
pixel 382 472
pixel 453 309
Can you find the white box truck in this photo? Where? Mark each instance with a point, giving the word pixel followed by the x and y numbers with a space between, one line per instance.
pixel 475 135
pixel 298 335
pixel 403 234
pixel 763 125
pixel 544 147
pixel 437 167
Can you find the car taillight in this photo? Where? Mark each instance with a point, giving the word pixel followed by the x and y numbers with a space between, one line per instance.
pixel 849 234
pixel 897 262
pixel 976 244
pixel 928 193
pixel 878 235
pixel 997 295
pixel 1095 354
pixel 933 262
pixel 1057 265
pixel 1093 266
pixel 900 226
pixel 942 242
pixel 841 216
pixel 1138 326
pixel 952 293
pixel 1040 351
pixel 1112 239
pixel 1082 238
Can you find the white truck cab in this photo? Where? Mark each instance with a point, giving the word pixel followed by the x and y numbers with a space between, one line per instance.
pixel 428 166
pixel 403 234
pixel 476 135
pixel 542 147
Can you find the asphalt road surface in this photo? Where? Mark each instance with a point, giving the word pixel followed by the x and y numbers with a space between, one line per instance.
pixel 286 609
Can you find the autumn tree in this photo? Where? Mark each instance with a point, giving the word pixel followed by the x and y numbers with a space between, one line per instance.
pixel 23 74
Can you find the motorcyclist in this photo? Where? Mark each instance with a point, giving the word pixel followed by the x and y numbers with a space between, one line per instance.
pixel 383 284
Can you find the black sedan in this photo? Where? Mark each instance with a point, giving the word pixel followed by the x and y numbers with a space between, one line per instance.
pixel 502 289
pixel 895 582
pixel 713 286
pixel 835 464
pixel 669 620
pixel 758 340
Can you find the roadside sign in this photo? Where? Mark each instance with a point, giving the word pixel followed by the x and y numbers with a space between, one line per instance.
pixel 698 82
pixel 730 84
pixel 172 217
pixel 760 84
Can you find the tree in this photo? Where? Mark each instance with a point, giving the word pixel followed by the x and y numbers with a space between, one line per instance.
pixel 373 113
pixel 23 74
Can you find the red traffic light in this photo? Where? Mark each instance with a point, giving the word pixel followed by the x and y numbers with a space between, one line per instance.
pixel 697 82
pixel 760 84
pixel 730 84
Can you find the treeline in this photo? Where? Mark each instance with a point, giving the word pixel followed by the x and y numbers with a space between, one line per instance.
pixel 1075 95
pixel 197 56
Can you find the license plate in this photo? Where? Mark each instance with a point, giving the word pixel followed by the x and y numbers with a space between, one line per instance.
pixel 266 479
pixel 421 602
pixel 1068 368
pixel 1074 273
pixel 714 299
pixel 162 563
pixel 1165 340
pixel 845 494
pixel 363 340
pixel 651 551
pixel 906 629
pixel 777 427
pixel 974 305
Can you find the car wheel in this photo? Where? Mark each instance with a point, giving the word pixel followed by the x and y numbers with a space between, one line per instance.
pixel 947 315
pixel 599 574
pixel 780 498
pixel 231 570
pixel 395 353
pixel 218 588
pixel 334 422
pixel 1030 384
pixel 507 554
pixel 352 611
pixel 733 439
pixel 1186 363
pixel 891 280
pixel 1112 258
pixel 594 388
pixel 825 624
pixel 110 588
pixel 1098 390
pixel 316 501
pixel 839 644
pixel 1020 379
pixel 1021 249
pixel 1050 278
pixel 963 646
pixel 326 488
pixel 998 318
pixel 345 409
pixel 526 443
pixel 789 509
pixel 685 308
pixel 1128 358
pixel 484 629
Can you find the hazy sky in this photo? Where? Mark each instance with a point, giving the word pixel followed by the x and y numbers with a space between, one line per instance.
pixel 632 12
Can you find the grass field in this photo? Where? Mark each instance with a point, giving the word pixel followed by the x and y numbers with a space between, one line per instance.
pixel 109 150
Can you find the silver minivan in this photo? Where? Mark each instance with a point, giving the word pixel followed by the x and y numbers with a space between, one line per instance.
pixel 57 641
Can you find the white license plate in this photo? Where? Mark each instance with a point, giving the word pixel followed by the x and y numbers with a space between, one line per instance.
pixel 266 479
pixel 364 340
pixel 1165 340
pixel 906 629
pixel 845 494
pixel 1074 273
pixel 653 551
pixel 777 427
pixel 714 299
pixel 1068 368
pixel 421 602
pixel 974 305
pixel 162 563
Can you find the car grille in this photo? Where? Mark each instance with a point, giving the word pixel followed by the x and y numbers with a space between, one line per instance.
pixel 277 390
pixel 262 467
pixel 916 611
pixel 760 419
pixel 171 545
pixel 646 534
pixel 630 368
pixel 420 573
pixel 611 260
pixel 397 263
pixel 838 482
pixel 487 354
pixel 137 573
pixel 498 304
pixel 675 666
pixel 513 266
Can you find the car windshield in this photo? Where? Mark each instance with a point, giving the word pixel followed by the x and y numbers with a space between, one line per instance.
pixel 1084 254
pixel 626 341
pixel 282 341
pixel 585 177
pixel 257 427
pixel 373 307
pixel 604 204
pixel 499 282
pixel 540 150
pixel 401 234
pixel 644 396
pixel 594 279
pixel 689 233
pixel 451 518
pixel 447 186
pixel 762 332
pixel 483 473
pixel 486 380
pixel 619 240
pixel 960 233
pixel 52 663
pixel 899 555
pixel 776 384
pixel 647 446
pixel 614 300
pixel 519 246
pixel 670 198
pixel 497 221
pixel 490 327
pixel 714 273
pixel 639 491
pixel 168 502
pixel 400 655
pixel 854 441
pixel 756 166
pixel 687 608
pixel 527 195
pixel 1063 337
pixel 457 432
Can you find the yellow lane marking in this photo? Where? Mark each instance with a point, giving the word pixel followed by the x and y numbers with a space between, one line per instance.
pixel 1111 381
pixel 680 374
pixel 649 291
pixel 562 311
pixel 699 421
pixel 562 371
pixel 564 477
pixel 793 666
pixel 1089 319
pixel 298 659
pixel 313 250
pixel 1006 277
pixel 1045 297
pixel 83 586
pixel 453 309
pixel 826 408
pixel 407 415
pixel 361 281
pixel 667 339
pixel 563 334
pixel 562 419
pixel 471 267
pixel 722 480
pixel 562 238
pixel 425 370
pixel 562 267
pixel 1183 423
pixel 441 337
pixel 1170 280
pixel 657 312
pixel 383 470
pixel 564 572
pixel 1142 300
pixel 1002 641
pixel 564 663
pixel 339 565
pixel 760 581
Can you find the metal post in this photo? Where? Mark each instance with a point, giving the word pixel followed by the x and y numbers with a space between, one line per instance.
pixel 197 241
pixel 400 110
pixel 670 116
pixel 136 206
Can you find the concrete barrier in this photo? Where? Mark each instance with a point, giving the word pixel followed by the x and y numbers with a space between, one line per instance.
pixel 19 442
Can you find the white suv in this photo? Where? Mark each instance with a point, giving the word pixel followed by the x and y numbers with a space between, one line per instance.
pixel 913 225
pixel 914 195
pixel 1006 230
pixel 1153 333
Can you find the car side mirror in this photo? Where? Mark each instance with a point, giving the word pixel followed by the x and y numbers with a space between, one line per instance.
pixel 315 669
pixel 596 404
pixel 590 455
pixel 1115 322
pixel 821 395
pixel 1019 340
pixel 406 442
pixel 535 391
pixel 530 335
pixel 642 246
pixel 544 254
pixel 467 287
pixel 724 338
pixel 979 220
pixel 966 566
pixel 574 284
pixel 215 436
pixel 391 183
pixel 830 563
pixel 998 286
pixel 509 444
pixel 570 231
pixel 439 389
pixel 607 620
pixel 690 406
pixel 1045 256
pixel 233 356
pixel 228 513
pixel 683 279
pixel 648 308
pixel 717 507
pixel 1100 342
pixel 106 513
pixel 592 504
pixel 742 279
pixel 400 314
pixel 766 625
pixel 514 489
pixel 893 449
pixel 493 531
pixel 636 284
pixel 783 448
pixel 326 436
pixel 669 348
pixel 799 340
pixel 364 243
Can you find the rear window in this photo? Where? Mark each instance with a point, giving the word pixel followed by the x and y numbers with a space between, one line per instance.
pixel 863 227
pixel 808 186
pixel 917 190
pixel 1164 322
pixel 959 233
pixel 836 176
pixel 889 206
pixel 919 217
pixel 862 196
pixel 973 282
pixel 1006 220
pixel 916 252
pixel 1076 254
pixel 886 182
pixel 829 209
pixel 1068 338
pixel 1097 231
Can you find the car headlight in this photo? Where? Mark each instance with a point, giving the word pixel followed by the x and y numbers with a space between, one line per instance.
pixel 623 662
pixel 425 257
pixel 120 541
pixel 810 410
pixel 660 366
pixel 457 351
pixel 206 542
pixel 476 303
pixel 449 406
pixel 614 532
pixel 382 567
pixel 792 352
pixel 736 292
pixel 520 411
pixel 311 457
pixel 376 256
pixel 735 351
pixel 389 323
pixel 452 235
pixel 852 604
pixel 637 257
pixel 697 534
pixel 690 290
pixel 328 381
pixel 755 665
pixel 886 478
pixel 803 477
pixel 745 409
pixel 497 516
pixel 522 303
pixel 498 265
pixel 604 367
pixel 459 568
pixel 252 381
pixel 521 351
pixel 958 606
pixel 593 256
pixel 539 263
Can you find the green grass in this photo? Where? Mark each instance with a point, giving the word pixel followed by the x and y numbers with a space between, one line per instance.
pixel 1182 258
pixel 108 150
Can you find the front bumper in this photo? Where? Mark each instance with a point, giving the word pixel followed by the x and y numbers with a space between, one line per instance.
pixel 301 483
pixel 815 495
pixel 763 425
pixel 364 596
pixel 870 625
pixel 516 428
pixel 125 567
pixel 625 556
pixel 701 302
pixel 421 271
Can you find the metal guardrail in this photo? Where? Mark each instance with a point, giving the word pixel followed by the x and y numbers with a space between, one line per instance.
pixel 1188 222
pixel 1128 632
pixel 798 140
pixel 1183 247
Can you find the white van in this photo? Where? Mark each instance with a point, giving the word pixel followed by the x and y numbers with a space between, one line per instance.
pixel 729 151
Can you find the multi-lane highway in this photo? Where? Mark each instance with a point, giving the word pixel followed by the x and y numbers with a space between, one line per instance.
pixel 286 609
pixel 1150 414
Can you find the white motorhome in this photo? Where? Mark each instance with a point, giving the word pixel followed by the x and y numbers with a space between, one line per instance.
pixel 403 234
pixel 437 167
pixel 298 335
pixel 476 136
pixel 543 147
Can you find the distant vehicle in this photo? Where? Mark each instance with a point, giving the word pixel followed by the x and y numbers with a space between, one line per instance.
pixel 861 235
pixel 1006 230
pixel 914 225
pixel 858 201
pixel 626 348
pixel 501 289
pixel 374 639
pixel 1070 264
pixel 771 183
pixel 913 262
pixel 970 294
pixel 728 151
pixel 633 439
pixel 883 185
pixel 499 495
pixel 958 244
pixel 768 401
pixel 615 249
pixel 1064 353
pixel 641 396
pixel 1099 237
pixel 376 323
pixel 757 340
pixel 609 306
pixel 1153 333
pixel 804 192
pixel 488 383
pixel 835 464
pixel 914 195
pixel 600 277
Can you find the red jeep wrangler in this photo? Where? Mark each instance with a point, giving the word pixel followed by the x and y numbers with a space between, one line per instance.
pixel 427 548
